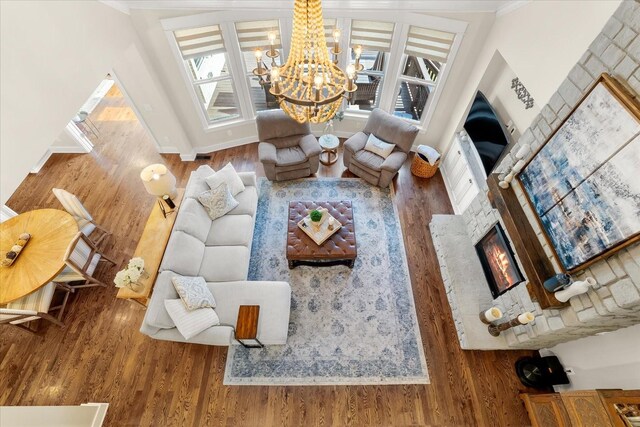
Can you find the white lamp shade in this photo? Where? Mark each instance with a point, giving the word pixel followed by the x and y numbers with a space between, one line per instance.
pixel 158 180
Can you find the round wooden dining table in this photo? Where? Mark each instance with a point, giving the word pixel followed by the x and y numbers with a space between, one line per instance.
pixel 42 258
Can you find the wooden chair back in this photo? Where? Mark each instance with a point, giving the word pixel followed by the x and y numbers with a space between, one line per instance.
pixel 72 204
pixel 80 253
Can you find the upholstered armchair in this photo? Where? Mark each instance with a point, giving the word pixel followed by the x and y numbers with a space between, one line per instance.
pixel 371 167
pixel 287 148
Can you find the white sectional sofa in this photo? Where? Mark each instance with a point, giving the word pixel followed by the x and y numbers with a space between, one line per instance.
pixel 219 251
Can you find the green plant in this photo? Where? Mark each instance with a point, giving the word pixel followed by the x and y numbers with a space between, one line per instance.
pixel 315 215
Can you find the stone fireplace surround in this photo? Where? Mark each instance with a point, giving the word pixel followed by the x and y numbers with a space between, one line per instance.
pixel 614 303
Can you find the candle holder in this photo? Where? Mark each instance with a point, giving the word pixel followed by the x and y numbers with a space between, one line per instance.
pixel 523 319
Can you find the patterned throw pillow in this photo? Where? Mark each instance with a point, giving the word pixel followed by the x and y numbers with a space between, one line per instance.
pixel 218 201
pixel 194 292
pixel 190 323
pixel 378 146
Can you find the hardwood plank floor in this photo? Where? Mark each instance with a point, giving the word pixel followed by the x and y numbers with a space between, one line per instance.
pixel 101 357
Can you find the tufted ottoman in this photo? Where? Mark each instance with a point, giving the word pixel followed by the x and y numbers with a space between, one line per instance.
pixel 338 249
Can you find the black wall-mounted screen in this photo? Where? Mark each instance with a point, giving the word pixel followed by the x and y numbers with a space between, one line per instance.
pixel 487 132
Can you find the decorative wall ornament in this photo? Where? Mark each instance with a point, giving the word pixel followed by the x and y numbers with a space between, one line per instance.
pixel 583 183
pixel 522 92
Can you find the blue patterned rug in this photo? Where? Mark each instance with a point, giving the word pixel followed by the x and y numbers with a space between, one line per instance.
pixel 347 326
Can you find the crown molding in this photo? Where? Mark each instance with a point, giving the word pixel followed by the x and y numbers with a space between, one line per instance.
pixel 510 6
pixel 493 6
pixel 119 5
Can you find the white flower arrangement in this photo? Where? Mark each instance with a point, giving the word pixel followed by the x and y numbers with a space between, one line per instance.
pixel 131 274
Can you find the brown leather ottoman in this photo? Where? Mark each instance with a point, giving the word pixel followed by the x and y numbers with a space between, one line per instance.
pixel 338 249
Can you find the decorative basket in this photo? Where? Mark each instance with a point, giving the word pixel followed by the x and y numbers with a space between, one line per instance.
pixel 422 168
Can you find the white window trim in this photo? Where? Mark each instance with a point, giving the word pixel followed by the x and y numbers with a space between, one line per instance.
pixel 393 73
pixel 226 21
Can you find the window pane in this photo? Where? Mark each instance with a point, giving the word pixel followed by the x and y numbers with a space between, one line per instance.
pixel 208 67
pixel 260 96
pixel 369 80
pixel 422 68
pixel 218 99
pixel 411 100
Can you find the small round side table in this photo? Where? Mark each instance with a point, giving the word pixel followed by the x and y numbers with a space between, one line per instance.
pixel 329 144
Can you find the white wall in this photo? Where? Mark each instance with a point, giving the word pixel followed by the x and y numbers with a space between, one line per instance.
pixel 496 86
pixel 53 55
pixel 540 41
pixel 611 360
pixel 47 72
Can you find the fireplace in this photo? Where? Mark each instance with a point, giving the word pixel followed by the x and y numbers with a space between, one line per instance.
pixel 499 265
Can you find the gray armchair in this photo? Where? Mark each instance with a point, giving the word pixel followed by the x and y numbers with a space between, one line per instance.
pixel 371 167
pixel 287 148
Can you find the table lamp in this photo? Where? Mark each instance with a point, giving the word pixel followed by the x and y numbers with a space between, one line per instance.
pixel 159 181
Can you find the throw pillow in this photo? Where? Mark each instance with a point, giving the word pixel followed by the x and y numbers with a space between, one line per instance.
pixel 190 323
pixel 379 147
pixel 218 201
pixel 194 292
pixel 229 175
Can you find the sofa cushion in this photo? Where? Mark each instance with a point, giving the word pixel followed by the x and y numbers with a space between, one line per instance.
pixel 290 156
pixel 183 254
pixel 391 129
pixel 230 230
pixel 197 183
pixel 156 314
pixel 218 201
pixel 193 219
pixel 369 160
pixel 226 175
pixel 276 124
pixel 224 264
pixel 190 322
pixel 193 292
pixel 378 146
pixel 248 202
pixel 248 179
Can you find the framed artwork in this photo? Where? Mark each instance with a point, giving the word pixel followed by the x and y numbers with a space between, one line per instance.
pixel 584 182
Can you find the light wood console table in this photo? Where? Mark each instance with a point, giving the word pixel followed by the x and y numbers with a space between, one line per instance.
pixel 151 246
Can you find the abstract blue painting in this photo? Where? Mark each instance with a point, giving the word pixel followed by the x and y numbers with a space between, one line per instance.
pixel 584 184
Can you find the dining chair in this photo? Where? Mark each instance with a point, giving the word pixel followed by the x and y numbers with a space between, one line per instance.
pixel 82 258
pixel 85 221
pixel 36 305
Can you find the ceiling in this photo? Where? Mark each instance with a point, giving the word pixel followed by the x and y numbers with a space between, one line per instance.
pixel 496 6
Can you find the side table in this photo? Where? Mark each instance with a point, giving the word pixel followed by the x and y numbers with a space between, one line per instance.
pixel 329 144
pixel 247 326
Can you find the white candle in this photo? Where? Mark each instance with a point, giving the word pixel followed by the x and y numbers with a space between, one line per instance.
pixel 525 318
pixel 493 314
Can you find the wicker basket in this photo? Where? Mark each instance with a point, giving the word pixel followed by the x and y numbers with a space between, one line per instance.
pixel 422 168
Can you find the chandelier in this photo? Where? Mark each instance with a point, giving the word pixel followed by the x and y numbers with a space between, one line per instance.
pixel 310 86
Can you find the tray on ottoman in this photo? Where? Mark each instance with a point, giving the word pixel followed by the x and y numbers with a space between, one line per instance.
pixel 338 248
pixel 322 232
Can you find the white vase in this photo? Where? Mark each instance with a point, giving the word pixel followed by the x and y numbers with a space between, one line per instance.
pixel 328 128
pixel 576 288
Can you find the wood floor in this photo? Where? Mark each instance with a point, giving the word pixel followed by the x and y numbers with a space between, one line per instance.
pixel 101 357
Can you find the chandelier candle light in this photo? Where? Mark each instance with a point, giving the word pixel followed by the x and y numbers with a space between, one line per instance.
pixel 310 86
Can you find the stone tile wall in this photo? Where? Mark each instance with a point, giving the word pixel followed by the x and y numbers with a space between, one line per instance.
pixel 615 302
